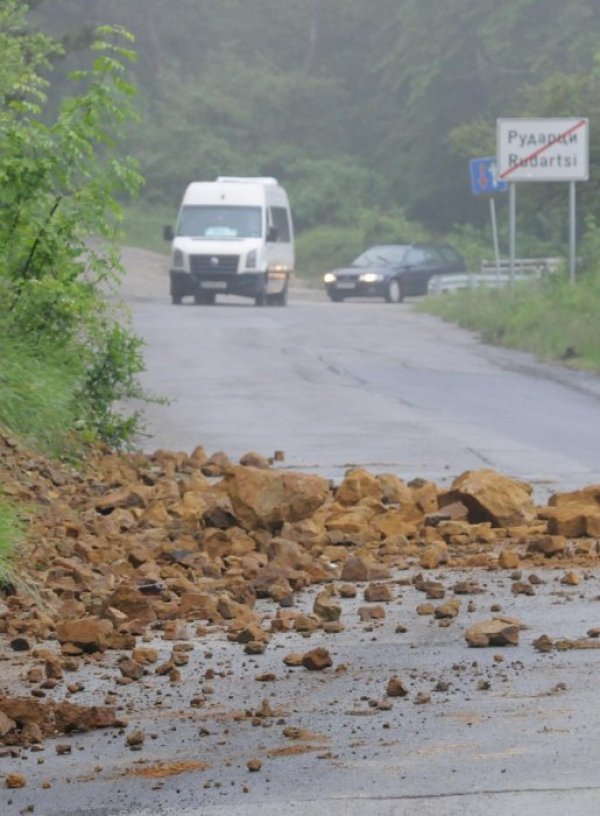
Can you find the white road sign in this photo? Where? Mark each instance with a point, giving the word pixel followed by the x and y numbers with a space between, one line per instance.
pixel 543 149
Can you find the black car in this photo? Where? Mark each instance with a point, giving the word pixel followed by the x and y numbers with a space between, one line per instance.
pixel 392 271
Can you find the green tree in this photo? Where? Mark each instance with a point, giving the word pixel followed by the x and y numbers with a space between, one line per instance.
pixel 58 186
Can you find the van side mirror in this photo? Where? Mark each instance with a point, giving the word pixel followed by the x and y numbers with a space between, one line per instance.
pixel 272 234
pixel 168 233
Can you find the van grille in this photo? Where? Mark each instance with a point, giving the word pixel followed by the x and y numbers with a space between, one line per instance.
pixel 213 267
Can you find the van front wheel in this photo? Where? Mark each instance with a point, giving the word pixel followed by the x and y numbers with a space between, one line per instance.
pixel 281 298
pixel 260 296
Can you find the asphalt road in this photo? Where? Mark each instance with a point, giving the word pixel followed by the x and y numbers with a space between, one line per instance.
pixel 358 383
pixel 508 731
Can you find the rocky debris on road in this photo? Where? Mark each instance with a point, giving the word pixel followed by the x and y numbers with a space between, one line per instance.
pixel 19 714
pixel 180 545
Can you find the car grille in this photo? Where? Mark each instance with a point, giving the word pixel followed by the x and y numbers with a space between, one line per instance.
pixel 347 278
pixel 213 267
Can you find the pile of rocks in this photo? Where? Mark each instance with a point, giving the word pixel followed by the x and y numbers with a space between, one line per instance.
pixel 176 543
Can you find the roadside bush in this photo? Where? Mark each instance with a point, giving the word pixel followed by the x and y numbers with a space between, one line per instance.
pixel 38 402
pixel 59 183
pixel 323 248
pixel 552 318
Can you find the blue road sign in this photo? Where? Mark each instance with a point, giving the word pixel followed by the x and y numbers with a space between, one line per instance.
pixel 483 177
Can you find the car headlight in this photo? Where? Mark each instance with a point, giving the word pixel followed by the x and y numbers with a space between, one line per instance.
pixel 329 277
pixel 251 259
pixel 370 277
pixel 178 258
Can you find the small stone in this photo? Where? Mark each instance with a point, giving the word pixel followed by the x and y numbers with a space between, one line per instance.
pixel 131 668
pixel 255 647
pixel 422 698
pixel 378 593
pixel 32 734
pixel 509 559
pixel 13 780
pixel 449 610
pixel 21 644
pixel 254 765
pixel 522 588
pixel 326 607
pixel 135 739
pixel 293 659
pixel 396 688
pixel 367 613
pixel 317 659
pixel 144 655
pixel 543 644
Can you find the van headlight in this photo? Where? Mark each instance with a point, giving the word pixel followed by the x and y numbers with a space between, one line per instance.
pixel 329 277
pixel 178 258
pixel 251 259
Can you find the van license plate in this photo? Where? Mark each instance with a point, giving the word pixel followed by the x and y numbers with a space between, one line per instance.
pixel 213 285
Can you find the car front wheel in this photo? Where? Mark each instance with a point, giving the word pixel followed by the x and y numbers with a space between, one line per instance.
pixel 336 297
pixel 394 292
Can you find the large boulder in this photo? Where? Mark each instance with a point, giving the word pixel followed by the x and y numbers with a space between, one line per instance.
pixel 495 632
pixel 268 498
pixel 574 514
pixel 358 484
pixel 490 496
pixel 90 634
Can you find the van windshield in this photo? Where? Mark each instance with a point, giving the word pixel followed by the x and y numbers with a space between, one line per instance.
pixel 220 222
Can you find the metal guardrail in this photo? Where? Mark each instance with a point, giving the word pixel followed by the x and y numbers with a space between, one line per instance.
pixel 495 275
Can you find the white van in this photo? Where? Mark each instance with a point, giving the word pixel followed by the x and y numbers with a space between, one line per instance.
pixel 234 236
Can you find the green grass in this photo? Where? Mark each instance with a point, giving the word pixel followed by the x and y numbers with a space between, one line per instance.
pixel 143 227
pixel 554 319
pixel 11 535
pixel 37 396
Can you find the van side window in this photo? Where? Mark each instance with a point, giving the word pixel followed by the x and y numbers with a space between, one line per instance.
pixel 279 219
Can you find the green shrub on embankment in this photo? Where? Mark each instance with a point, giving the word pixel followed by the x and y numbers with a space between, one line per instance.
pixel 11 535
pixel 38 404
pixel 552 318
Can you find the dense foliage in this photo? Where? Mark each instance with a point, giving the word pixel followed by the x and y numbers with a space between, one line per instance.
pixel 357 106
pixel 59 176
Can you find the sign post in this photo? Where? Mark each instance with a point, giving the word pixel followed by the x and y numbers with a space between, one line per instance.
pixel 544 150
pixel 572 231
pixel 484 180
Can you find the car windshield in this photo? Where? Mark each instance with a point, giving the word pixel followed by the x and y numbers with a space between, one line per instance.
pixel 220 222
pixel 381 256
